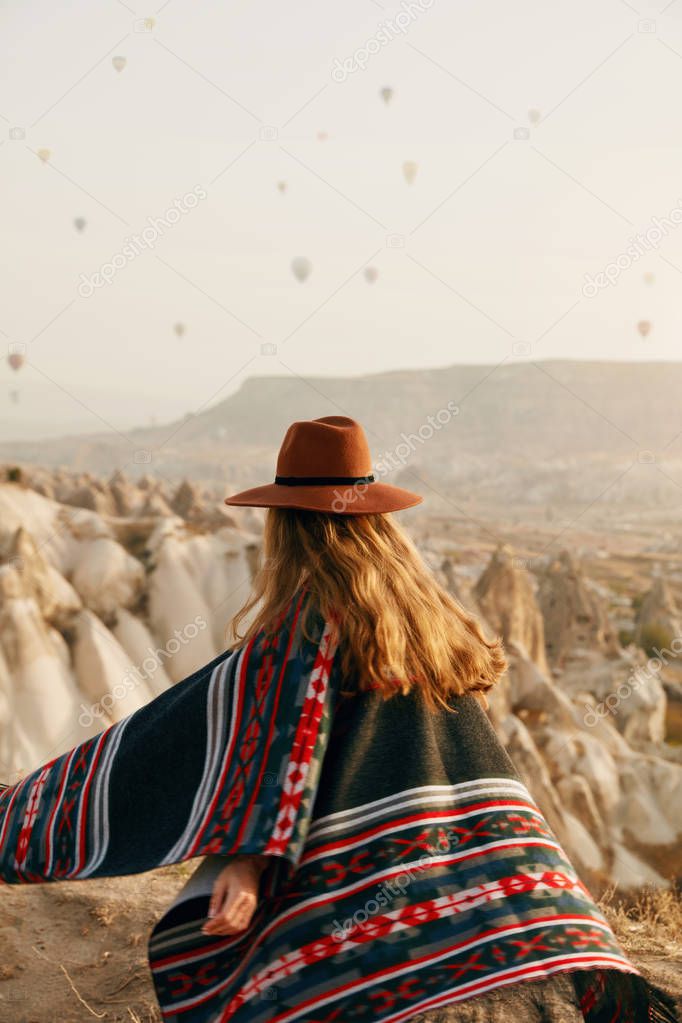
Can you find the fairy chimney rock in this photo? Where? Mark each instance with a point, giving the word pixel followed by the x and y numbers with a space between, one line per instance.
pixel 186 501
pixel 658 608
pixel 506 597
pixel 575 616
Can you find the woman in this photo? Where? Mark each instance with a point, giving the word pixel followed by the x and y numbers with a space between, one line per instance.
pixel 370 852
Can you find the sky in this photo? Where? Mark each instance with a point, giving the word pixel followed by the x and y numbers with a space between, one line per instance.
pixel 546 137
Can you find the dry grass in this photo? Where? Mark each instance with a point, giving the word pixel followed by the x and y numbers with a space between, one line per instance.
pixel 149 1015
pixel 650 922
pixel 106 913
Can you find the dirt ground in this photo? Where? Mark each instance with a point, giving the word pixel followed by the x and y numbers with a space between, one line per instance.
pixel 76 952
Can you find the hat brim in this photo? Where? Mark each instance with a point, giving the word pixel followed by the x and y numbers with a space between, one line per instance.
pixel 345 499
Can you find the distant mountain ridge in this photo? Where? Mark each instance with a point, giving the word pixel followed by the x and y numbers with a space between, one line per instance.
pixel 560 422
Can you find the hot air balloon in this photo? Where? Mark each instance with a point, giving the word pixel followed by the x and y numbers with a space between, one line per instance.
pixel 119 63
pixel 301 268
pixel 16 360
pixel 649 278
pixel 371 274
pixel 644 326
pixel 282 186
pixel 79 223
pixel 179 329
pixel 410 171
pixel 44 154
pixel 386 94
pixel 534 116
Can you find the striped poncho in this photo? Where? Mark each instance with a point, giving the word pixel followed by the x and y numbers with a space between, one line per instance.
pixel 410 866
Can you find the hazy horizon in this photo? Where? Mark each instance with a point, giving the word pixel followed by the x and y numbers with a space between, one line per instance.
pixel 92 425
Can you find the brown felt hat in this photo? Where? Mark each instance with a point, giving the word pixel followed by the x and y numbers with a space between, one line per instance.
pixel 325 465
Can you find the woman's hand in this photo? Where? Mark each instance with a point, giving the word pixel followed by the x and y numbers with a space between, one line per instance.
pixel 235 896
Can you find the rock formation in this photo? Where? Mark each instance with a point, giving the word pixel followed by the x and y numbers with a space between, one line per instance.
pixel 449 578
pixel 658 609
pixel 186 500
pixel 590 744
pixel 506 598
pixel 99 613
pixel 575 616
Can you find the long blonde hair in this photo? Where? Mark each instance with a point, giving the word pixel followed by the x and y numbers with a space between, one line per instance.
pixel 399 627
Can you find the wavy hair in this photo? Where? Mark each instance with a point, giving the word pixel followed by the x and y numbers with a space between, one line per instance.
pixel 399 628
